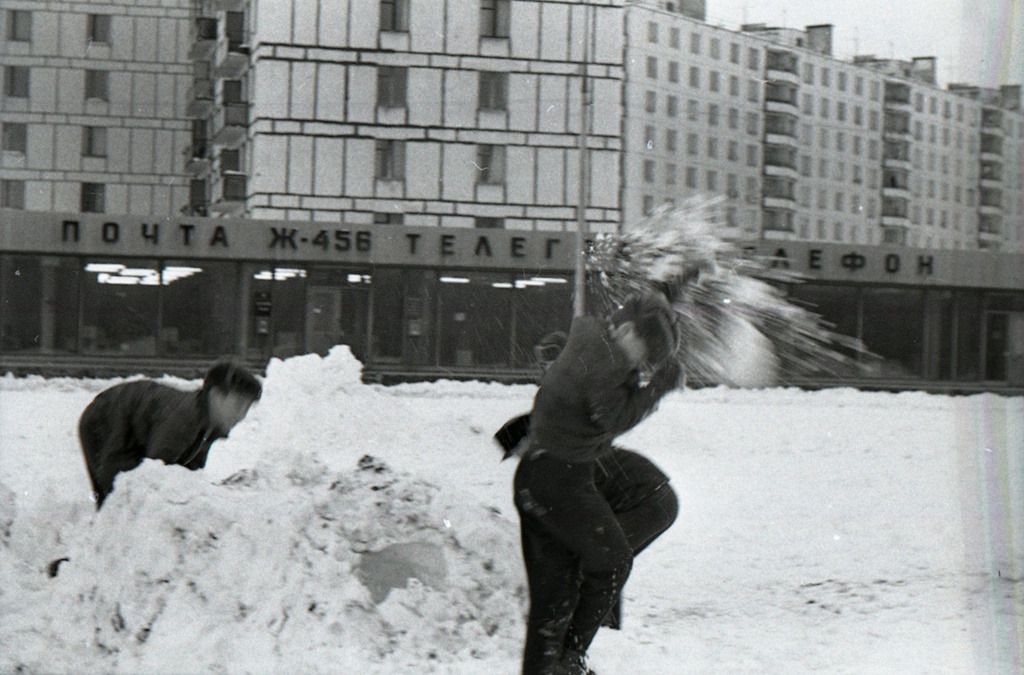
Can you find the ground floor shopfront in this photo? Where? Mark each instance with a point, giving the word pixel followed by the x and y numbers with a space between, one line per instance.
pixel 81 294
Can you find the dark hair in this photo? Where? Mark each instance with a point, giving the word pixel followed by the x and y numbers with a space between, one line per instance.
pixel 230 376
pixel 549 347
pixel 655 323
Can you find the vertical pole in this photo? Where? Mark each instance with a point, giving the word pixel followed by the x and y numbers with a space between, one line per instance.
pixel 580 286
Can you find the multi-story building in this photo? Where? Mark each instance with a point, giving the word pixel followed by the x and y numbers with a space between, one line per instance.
pixel 92 105
pixel 459 113
pixel 468 113
pixel 804 146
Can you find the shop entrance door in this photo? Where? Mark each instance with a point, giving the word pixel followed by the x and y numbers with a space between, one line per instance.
pixel 336 316
pixel 1004 347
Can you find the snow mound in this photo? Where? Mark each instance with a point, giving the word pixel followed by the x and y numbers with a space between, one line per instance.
pixel 286 562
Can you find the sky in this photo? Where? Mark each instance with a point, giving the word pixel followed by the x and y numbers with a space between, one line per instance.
pixel 978 43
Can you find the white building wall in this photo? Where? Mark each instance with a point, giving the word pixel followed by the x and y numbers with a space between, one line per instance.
pixel 334 93
pixel 146 130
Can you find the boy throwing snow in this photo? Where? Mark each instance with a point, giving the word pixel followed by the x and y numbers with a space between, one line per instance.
pixel 576 548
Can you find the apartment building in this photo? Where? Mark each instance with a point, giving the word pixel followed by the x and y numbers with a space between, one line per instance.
pixel 454 113
pixel 801 145
pixel 92 105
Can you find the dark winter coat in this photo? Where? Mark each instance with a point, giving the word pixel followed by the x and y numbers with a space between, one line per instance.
pixel 591 394
pixel 140 420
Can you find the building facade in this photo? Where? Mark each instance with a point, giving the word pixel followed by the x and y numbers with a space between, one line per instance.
pixel 93 105
pixel 801 145
pixel 457 112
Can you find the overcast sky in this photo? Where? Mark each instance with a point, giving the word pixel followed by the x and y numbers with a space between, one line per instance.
pixel 976 42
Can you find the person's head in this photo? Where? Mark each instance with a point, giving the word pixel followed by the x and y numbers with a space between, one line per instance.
pixel 645 329
pixel 230 391
pixel 549 347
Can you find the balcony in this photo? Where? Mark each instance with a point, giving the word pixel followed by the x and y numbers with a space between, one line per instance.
pixel 777 220
pixel 197 162
pixel 233 60
pixel 229 193
pixel 990 224
pixel 200 99
pixel 205 41
pixel 897 94
pixel 894 233
pixel 232 124
pixel 231 5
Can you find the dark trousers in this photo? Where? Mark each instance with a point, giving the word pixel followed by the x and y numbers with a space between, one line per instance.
pixel 581 526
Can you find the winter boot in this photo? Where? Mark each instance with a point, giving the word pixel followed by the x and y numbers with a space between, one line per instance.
pixel 573 663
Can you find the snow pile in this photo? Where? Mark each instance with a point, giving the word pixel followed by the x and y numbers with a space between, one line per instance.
pixel 288 557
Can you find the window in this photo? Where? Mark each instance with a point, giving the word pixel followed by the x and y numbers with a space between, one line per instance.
pixel 674 38
pixel 494 18
pixel 712 181
pixel 16 81
pixel 713 115
pixel 98 28
pixel 716 48
pixel 734 118
pixel 670 140
pixel 493 91
pixel 652 68
pixel 394 16
pixel 490 163
pixel 673 72
pixel 670 174
pixel 753 59
pixel 808 73
pixel 753 123
pixel 232 92
pixel 692 141
pixel 648 170
pixel 713 147
pixel 649 137
pixel 691 177
pixel 734 151
pixel 93 198
pixel 672 106
pixel 388 218
pixel 695 43
pixel 694 76
pixel 752 155
pixel 96 85
pixel 648 206
pixel 15 137
pixel 652 32
pixel 826 77
pixel 230 160
pixel 390 160
pixel 12 194
pixel 693 110
pixel 19 25
pixel 651 101
pixel 713 78
pixel 94 142
pixel 391 86
pixel 486 223
pixel 734 52
pixel 753 91
pixel 734 85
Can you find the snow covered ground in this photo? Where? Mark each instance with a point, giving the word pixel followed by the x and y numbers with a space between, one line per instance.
pixel 833 531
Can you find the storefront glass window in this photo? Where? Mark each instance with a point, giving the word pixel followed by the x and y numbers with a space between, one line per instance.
pixel 543 304
pixel 837 306
pixel 388 316
pixel 894 330
pixel 968 336
pixel 38 304
pixel 120 307
pixel 278 310
pixel 475 318
pixel 337 309
pixel 200 308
